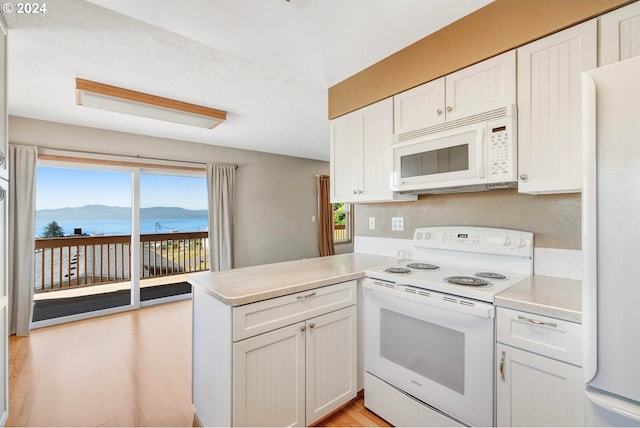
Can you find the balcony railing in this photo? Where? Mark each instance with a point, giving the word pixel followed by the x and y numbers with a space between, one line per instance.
pixel 339 233
pixel 93 260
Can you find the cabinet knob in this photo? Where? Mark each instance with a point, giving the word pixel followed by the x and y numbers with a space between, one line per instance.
pixel 449 109
pixel 439 111
pixel 302 328
pixel 523 176
pixel 312 325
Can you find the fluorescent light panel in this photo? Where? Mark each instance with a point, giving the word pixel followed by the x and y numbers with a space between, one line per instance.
pixel 112 98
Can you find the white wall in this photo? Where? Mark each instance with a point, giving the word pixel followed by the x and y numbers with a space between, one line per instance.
pixel 276 195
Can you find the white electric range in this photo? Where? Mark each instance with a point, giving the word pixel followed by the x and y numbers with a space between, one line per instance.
pixel 429 333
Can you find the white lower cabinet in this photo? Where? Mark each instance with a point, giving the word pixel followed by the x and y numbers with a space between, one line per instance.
pixel 285 361
pixel 533 389
pixel 297 374
pixel 537 391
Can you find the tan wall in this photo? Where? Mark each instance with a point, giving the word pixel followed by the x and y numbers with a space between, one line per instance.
pixel 276 195
pixel 555 219
pixel 498 27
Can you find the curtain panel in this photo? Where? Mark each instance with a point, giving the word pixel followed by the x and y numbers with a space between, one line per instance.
pixel 221 184
pixel 22 213
pixel 325 217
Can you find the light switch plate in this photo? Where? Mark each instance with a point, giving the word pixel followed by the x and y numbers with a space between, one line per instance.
pixel 372 223
pixel 397 224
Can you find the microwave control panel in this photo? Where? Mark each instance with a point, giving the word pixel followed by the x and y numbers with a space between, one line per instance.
pixel 502 150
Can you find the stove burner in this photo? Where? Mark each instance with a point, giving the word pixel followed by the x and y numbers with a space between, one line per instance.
pixel 466 280
pixel 490 275
pixel 426 266
pixel 397 270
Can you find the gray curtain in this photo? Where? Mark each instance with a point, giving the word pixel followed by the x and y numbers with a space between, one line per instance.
pixel 22 209
pixel 221 182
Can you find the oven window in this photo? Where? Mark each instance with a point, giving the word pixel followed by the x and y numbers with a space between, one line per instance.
pixel 448 159
pixel 429 350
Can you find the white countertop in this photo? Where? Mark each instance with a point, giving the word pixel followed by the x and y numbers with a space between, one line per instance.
pixel 251 284
pixel 545 295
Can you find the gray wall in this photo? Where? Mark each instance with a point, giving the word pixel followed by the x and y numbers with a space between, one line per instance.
pixel 276 195
pixel 555 219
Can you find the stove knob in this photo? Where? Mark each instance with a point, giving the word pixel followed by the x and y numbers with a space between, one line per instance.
pixel 427 236
pixel 521 242
pixel 507 241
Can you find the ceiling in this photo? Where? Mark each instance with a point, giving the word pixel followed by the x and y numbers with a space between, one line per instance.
pixel 268 63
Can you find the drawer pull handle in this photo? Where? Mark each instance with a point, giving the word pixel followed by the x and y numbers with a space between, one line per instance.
pixel 306 296
pixel 502 366
pixel 537 322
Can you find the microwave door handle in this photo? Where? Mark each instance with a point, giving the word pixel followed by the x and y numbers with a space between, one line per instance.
pixel 481 152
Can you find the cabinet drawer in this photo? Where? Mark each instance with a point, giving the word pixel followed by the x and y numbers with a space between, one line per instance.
pixel 267 315
pixel 558 339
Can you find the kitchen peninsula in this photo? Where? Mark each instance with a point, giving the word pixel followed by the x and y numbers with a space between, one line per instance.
pixel 293 321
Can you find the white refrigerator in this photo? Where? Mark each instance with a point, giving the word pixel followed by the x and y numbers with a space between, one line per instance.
pixel 611 244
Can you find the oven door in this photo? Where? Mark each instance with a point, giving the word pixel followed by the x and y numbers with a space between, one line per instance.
pixel 449 159
pixel 437 348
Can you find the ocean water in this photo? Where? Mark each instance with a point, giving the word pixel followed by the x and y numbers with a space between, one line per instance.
pixel 123 227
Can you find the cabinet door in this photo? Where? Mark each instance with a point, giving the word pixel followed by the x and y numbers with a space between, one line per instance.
pixel 620 34
pixel 419 107
pixel 537 391
pixel 549 104
pixel 346 157
pixel 4 141
pixel 331 345
pixel 4 339
pixel 377 120
pixel 483 87
pixel 268 378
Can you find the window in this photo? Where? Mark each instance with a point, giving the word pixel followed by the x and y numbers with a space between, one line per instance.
pixel 342 223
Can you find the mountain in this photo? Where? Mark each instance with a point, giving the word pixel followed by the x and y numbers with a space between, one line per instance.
pixel 104 212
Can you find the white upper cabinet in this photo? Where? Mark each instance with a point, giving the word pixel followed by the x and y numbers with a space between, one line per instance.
pixel 361 160
pixel 549 104
pixel 419 107
pixel 620 34
pixel 482 87
pixel 346 157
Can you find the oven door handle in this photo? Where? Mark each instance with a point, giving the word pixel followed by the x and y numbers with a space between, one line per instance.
pixel 432 298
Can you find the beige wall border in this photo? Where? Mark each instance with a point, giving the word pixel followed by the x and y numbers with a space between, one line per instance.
pixel 498 27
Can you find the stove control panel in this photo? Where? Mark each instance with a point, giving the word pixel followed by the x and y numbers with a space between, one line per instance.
pixel 483 240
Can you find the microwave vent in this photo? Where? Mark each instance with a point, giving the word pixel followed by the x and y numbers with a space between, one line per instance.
pixel 499 113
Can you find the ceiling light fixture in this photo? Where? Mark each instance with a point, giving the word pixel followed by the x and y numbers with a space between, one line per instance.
pixel 112 98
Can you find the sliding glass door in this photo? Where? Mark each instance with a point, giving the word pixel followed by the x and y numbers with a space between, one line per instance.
pixel 114 238
pixel 83 241
pixel 173 233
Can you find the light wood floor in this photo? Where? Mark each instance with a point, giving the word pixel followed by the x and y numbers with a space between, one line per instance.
pixel 126 369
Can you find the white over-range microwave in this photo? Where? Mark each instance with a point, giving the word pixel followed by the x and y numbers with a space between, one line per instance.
pixel 477 153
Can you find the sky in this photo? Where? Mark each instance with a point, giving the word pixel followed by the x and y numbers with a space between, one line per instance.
pixel 65 187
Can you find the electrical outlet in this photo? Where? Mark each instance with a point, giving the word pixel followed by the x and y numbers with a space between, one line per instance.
pixel 372 223
pixel 397 224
